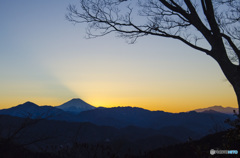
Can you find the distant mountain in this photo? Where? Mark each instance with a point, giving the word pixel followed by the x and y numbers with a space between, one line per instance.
pixel 33 111
pixel 210 112
pixel 76 106
pixel 217 108
pixel 196 124
pixel 176 125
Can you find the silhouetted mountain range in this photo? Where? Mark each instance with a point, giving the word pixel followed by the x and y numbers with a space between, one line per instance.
pixel 176 125
pixel 126 116
pixel 218 108
pixel 123 129
pixel 32 110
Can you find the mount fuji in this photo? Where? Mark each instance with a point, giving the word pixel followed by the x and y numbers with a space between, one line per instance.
pixel 76 105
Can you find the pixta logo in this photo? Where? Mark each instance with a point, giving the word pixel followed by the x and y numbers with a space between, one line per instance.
pixel 213 152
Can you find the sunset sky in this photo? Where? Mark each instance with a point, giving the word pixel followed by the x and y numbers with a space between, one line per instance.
pixel 46 59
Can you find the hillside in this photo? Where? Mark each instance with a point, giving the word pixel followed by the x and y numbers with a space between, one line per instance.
pixel 36 134
pixel 200 148
pixel 110 132
pixel 123 148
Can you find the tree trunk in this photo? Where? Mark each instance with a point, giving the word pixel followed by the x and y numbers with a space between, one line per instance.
pixel 234 79
pixel 238 98
pixel 231 71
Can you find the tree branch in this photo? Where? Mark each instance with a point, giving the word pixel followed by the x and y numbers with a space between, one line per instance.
pixel 234 47
pixel 165 18
pixel 208 52
pixel 210 15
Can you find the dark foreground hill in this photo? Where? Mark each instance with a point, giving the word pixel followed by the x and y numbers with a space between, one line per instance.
pixel 51 135
pixel 192 149
pixel 201 148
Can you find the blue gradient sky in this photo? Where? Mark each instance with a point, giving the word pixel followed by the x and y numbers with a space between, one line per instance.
pixel 46 59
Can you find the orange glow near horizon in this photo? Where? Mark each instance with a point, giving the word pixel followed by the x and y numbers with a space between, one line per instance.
pixel 163 105
pixel 156 94
pixel 140 89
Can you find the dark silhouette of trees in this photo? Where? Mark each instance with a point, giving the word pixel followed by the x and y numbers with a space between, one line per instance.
pixel 209 26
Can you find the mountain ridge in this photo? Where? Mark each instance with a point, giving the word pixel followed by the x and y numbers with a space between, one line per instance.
pixel 185 123
pixel 218 108
pixel 34 111
pixel 75 105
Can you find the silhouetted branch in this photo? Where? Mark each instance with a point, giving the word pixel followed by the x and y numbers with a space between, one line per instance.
pixel 215 22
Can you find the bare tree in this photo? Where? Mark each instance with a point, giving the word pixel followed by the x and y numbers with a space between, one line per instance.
pixel 194 22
